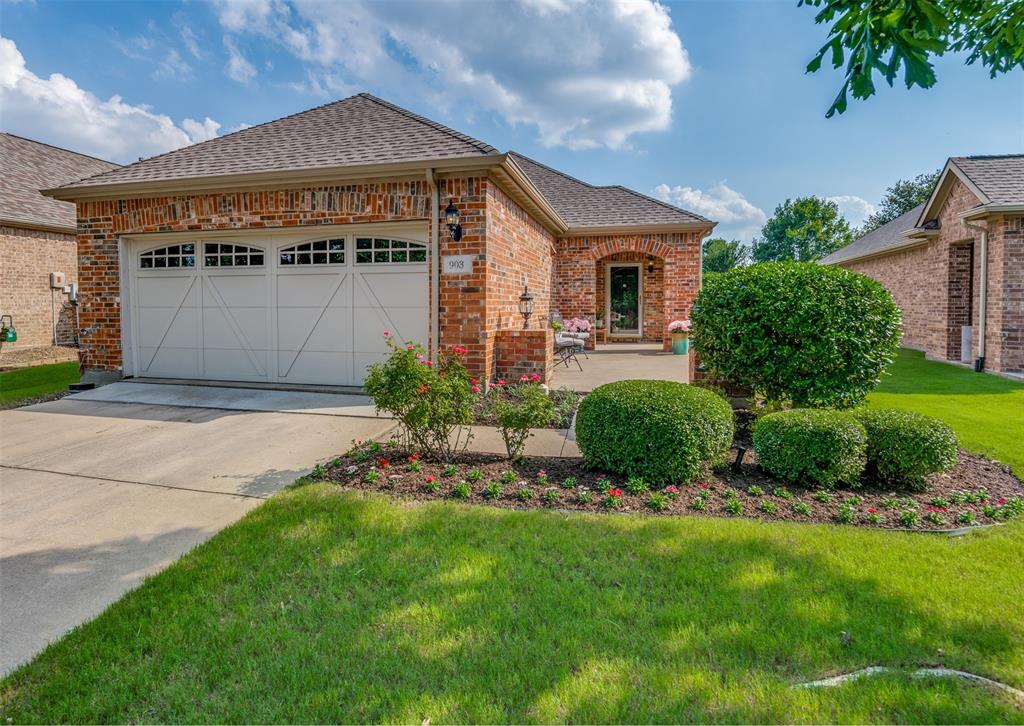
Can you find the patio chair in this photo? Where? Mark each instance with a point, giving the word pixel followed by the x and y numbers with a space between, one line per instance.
pixel 566 348
pixel 556 317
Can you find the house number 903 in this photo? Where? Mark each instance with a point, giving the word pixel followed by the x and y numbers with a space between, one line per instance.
pixel 457 264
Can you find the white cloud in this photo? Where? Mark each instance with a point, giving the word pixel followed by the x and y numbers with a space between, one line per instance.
pixel 173 66
pixel 57 110
pixel 736 216
pixel 582 74
pixel 855 209
pixel 188 37
pixel 239 69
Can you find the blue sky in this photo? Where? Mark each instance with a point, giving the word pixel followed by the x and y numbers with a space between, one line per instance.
pixel 702 103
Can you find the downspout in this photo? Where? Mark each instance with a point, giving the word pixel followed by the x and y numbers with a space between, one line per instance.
pixel 979 362
pixel 435 266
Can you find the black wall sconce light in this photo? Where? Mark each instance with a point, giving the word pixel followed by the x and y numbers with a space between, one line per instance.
pixel 526 305
pixel 451 220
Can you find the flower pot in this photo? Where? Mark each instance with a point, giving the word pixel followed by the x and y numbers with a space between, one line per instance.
pixel 680 343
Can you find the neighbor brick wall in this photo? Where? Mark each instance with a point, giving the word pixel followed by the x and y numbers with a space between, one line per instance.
pixel 577 268
pixel 27 257
pixel 929 283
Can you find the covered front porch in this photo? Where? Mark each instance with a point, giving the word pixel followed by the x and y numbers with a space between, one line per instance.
pixel 619 361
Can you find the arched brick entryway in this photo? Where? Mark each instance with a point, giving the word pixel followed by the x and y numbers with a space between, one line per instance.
pixel 676 259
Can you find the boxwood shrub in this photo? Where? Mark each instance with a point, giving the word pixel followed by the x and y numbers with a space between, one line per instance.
pixel 659 430
pixel 814 447
pixel 815 335
pixel 905 447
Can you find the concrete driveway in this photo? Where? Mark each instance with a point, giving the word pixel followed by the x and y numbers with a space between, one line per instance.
pixel 101 489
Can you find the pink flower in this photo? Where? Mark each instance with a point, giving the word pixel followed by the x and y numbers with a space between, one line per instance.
pixel 428 363
pixel 672 489
pixel 475 389
pixel 415 457
pixel 501 382
pixel 535 377
pixel 430 478
pixel 523 378
pixel 705 485
pixel 409 347
pixel 615 492
pixel 1003 500
pixel 387 333
pixel 541 473
pixel 459 350
pixel 474 381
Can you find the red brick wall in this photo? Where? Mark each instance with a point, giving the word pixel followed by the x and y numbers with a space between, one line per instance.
pixel 577 270
pixel 929 283
pixel 519 252
pixel 27 257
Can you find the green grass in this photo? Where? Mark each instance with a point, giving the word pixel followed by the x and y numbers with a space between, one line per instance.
pixel 24 383
pixel 323 605
pixel 985 411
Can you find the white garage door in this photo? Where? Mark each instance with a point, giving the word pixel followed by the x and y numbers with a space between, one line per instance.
pixel 310 311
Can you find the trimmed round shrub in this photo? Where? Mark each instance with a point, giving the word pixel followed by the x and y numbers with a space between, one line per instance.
pixel 659 430
pixel 905 447
pixel 813 447
pixel 818 336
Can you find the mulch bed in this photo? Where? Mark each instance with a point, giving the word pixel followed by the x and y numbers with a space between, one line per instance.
pixel 988 483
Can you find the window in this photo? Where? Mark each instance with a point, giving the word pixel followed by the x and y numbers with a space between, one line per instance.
pixel 321 252
pixel 227 255
pixel 376 251
pixel 165 257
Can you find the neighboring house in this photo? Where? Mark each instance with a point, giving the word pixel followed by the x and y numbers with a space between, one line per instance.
pixel 282 252
pixel 37 237
pixel 955 264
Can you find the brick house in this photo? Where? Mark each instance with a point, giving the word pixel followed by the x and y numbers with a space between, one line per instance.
pixel 955 264
pixel 280 253
pixel 37 237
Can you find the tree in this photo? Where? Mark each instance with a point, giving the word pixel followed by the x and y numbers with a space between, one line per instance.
pixel 900 198
pixel 721 255
pixel 886 35
pixel 804 229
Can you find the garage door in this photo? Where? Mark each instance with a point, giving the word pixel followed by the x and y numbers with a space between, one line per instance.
pixel 311 311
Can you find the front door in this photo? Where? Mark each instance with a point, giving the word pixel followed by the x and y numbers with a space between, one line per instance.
pixel 625 287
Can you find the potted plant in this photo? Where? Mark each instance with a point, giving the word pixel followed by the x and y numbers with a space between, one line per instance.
pixel 680 330
pixel 599 318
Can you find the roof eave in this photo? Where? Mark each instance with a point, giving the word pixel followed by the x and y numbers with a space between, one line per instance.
pixel 37 225
pixel 706 227
pixel 942 187
pixel 993 208
pixel 272 179
pixel 911 243
pixel 510 172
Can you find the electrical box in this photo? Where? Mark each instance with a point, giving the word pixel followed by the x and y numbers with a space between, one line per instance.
pixel 57 279
pixel 73 292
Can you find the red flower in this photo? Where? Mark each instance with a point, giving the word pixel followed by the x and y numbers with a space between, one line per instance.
pixel 459 350
pixel 382 462
pixel 422 389
pixel 501 382
pixel 541 473
pixel 474 381
pixel 430 478
pixel 410 346
pixel 415 457
pixel 428 363
pixel 1003 500
pixel 387 334
pixel 872 510
pixel 475 389
pixel 615 492
pixel 672 489
pixel 535 377
pixel 705 485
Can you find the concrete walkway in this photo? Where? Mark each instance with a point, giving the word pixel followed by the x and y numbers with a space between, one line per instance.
pixel 101 489
pixel 618 361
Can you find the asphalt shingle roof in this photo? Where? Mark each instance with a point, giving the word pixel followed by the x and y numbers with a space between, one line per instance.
pixel 877 240
pixel 27 166
pixel 357 130
pixel 1000 178
pixel 584 205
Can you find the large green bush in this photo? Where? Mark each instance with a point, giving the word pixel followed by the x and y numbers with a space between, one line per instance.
pixel 905 447
pixel 815 335
pixel 659 430
pixel 812 447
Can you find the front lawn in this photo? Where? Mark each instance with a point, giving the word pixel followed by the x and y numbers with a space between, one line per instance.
pixel 985 411
pixel 22 384
pixel 326 605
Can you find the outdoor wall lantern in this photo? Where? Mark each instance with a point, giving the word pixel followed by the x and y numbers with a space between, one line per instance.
pixel 526 305
pixel 451 219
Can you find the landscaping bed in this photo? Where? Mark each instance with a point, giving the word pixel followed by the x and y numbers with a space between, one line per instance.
pixel 975 492
pixel 563 400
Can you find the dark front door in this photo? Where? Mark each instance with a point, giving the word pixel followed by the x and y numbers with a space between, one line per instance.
pixel 624 299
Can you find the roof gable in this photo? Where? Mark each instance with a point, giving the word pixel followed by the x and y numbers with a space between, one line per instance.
pixel 358 130
pixel 992 179
pixel 584 205
pixel 26 167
